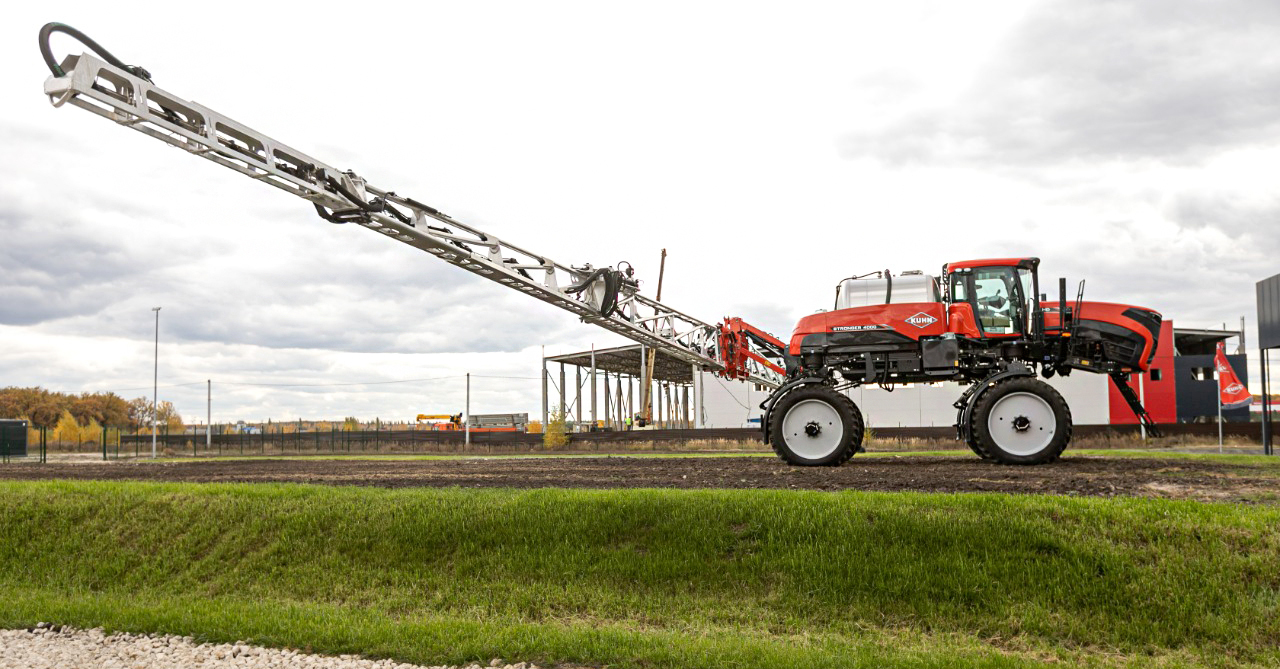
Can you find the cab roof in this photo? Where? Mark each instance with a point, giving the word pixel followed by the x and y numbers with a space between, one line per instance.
pixel 993 262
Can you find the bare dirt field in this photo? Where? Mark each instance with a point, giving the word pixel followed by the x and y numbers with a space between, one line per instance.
pixel 1079 475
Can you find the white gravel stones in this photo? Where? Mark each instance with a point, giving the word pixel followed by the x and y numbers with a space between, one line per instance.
pixel 50 646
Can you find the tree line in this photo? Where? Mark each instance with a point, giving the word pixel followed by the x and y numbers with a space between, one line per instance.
pixel 48 409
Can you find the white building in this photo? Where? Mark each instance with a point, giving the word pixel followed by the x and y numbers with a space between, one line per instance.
pixel 736 404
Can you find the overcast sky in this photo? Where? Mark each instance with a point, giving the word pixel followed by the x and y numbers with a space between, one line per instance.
pixel 772 149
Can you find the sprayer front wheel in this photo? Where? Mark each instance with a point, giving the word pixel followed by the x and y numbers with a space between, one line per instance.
pixel 815 426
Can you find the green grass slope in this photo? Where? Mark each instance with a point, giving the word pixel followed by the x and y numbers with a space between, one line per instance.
pixel 643 578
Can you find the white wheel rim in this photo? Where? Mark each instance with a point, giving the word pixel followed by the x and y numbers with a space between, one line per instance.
pixel 1022 423
pixel 812 429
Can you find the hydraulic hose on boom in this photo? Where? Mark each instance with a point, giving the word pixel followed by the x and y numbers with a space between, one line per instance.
pixel 605 296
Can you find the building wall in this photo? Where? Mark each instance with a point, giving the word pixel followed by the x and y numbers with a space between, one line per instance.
pixel 734 404
pixel 1157 387
pixel 1199 399
pixel 730 403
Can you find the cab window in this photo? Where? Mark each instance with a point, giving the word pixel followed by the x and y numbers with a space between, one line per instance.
pixel 1028 297
pixel 998 300
pixel 959 291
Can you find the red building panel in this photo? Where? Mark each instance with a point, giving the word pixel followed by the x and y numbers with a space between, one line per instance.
pixel 1158 387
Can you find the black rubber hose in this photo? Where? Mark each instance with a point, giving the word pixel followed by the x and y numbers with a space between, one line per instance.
pixel 337 186
pixel 609 301
pixel 49 29
pixel 582 285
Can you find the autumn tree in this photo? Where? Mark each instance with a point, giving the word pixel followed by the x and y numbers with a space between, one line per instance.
pixel 169 417
pixel 139 413
pixel 44 414
pixel 10 406
pixel 115 410
pixel 86 409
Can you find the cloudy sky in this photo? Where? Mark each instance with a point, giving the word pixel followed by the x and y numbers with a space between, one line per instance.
pixel 772 149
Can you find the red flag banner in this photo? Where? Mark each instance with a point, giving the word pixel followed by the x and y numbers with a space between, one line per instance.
pixel 1231 393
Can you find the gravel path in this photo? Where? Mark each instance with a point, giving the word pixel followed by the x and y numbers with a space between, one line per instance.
pixel 57 647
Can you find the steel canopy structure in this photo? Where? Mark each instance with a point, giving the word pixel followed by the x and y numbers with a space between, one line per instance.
pixel 625 388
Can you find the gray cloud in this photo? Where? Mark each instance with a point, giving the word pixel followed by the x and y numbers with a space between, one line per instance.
pixel 375 297
pixel 55 267
pixel 1193 276
pixel 1168 80
pixel 1229 213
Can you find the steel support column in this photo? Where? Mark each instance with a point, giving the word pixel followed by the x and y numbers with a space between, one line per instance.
pixel 684 407
pixel 608 403
pixel 545 399
pixel 593 385
pixel 644 380
pixel 1266 403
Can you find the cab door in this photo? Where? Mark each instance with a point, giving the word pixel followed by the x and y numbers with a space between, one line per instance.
pixel 997 296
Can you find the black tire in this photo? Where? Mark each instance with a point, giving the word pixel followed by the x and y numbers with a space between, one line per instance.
pixel 803 445
pixel 1021 421
pixel 977 449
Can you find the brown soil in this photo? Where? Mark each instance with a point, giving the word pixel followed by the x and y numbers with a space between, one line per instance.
pixel 1080 475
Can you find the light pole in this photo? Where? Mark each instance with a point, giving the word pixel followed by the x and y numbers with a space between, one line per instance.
pixel 156 389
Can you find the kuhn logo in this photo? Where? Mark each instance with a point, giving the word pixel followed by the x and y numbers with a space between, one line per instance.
pixel 1233 388
pixel 922 320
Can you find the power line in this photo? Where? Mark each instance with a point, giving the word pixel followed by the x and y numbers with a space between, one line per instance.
pixel 332 385
pixel 171 385
pixel 321 385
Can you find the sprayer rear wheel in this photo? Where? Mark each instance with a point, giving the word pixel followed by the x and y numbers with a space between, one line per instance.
pixel 1021 421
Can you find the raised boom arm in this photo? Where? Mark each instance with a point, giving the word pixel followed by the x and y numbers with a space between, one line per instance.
pixel 605 296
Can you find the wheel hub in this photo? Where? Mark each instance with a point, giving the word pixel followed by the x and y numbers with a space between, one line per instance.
pixel 813 429
pixel 1021 423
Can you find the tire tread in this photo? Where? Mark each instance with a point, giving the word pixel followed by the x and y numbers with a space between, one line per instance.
pixel 843 406
pixel 978 419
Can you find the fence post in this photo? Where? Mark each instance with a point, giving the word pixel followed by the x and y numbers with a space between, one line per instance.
pixel 104 444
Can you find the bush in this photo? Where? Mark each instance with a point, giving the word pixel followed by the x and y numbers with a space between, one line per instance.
pixel 556 435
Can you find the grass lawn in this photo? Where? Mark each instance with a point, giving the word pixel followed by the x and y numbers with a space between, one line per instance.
pixel 653 578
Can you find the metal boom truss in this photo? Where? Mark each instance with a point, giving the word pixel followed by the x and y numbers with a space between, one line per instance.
pixel 607 297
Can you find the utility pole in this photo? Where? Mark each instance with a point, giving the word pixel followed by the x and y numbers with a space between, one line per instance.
pixel 466 417
pixel 208 415
pixel 593 387
pixel 1217 392
pixel 544 390
pixel 653 352
pixel 155 392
